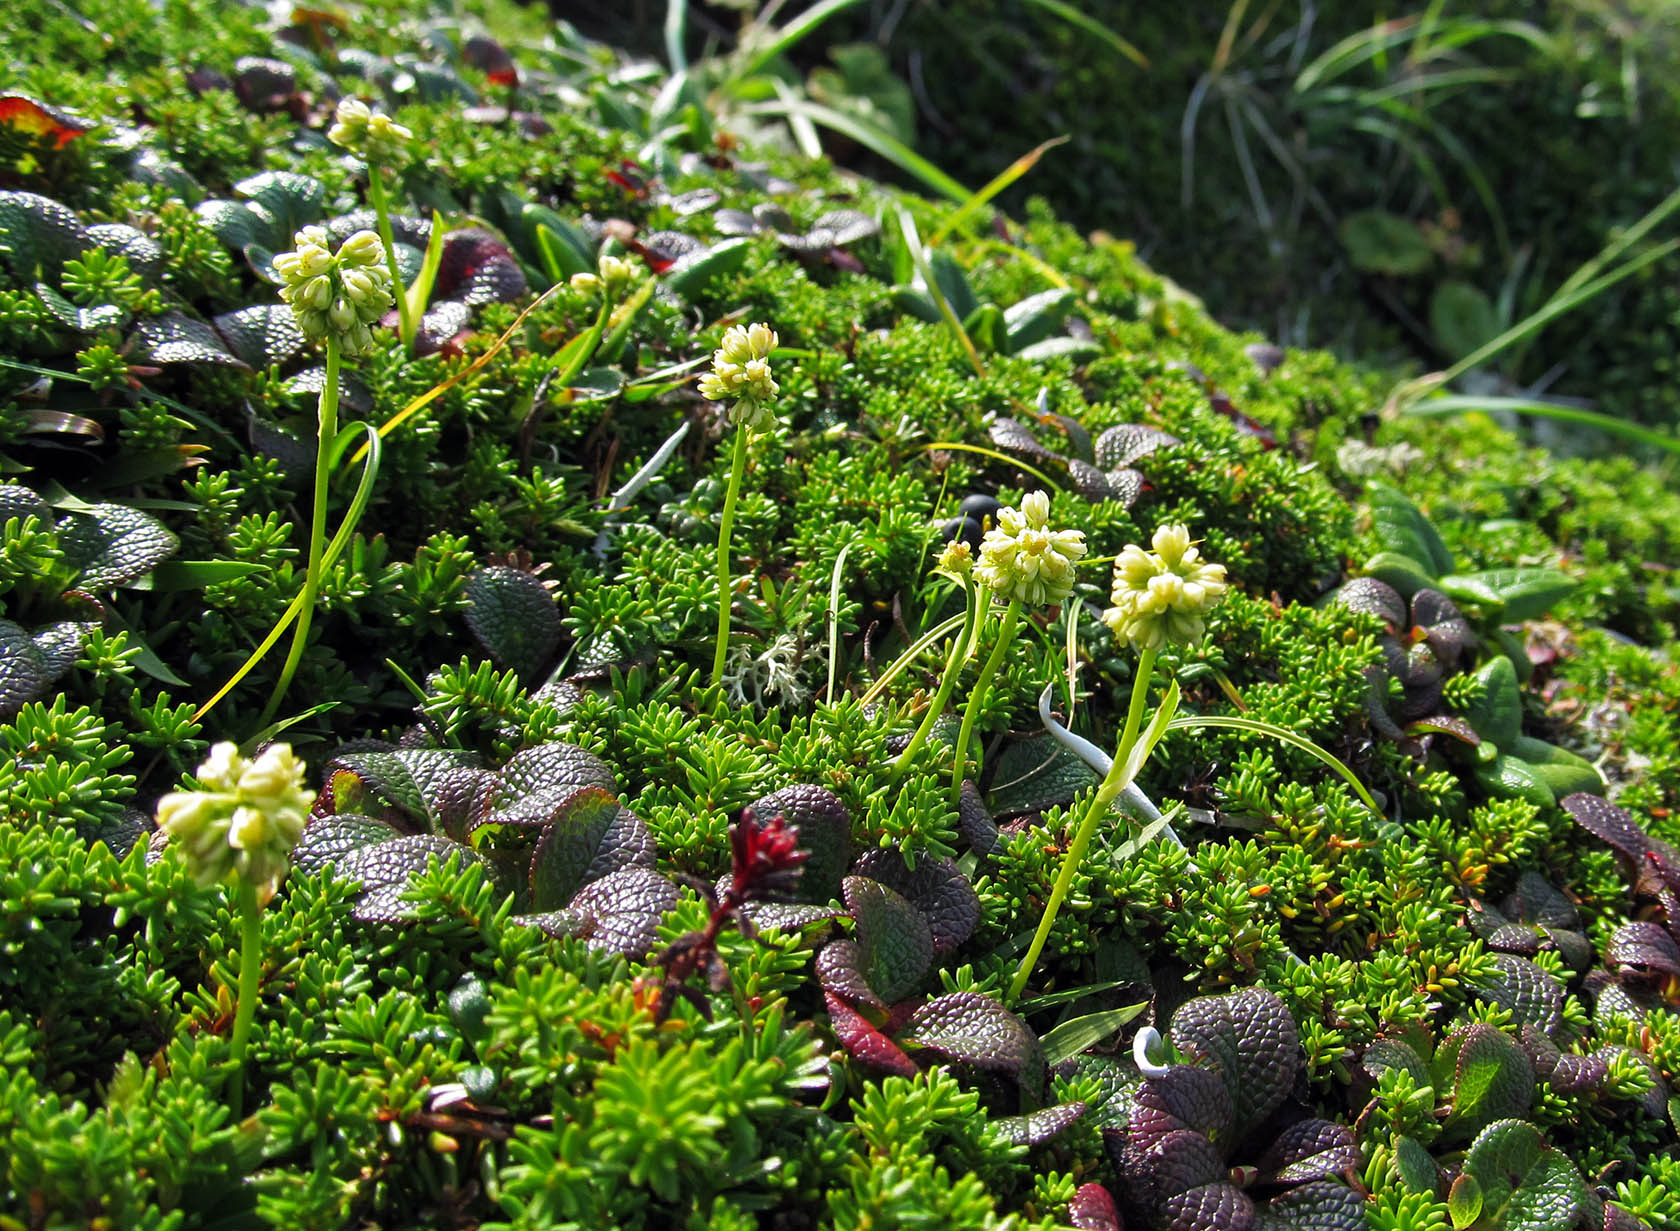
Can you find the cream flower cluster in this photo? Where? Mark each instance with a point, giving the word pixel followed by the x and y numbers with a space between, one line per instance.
pixel 1023 560
pixel 1163 596
pixel 245 817
pixel 342 295
pixel 741 374
pixel 613 273
pixel 372 135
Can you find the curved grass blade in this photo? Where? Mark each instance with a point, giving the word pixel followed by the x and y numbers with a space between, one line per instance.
pixel 917 648
pixel 834 618
pixel 876 141
pixel 1094 28
pixel 1003 179
pixel 1043 478
pixel 1190 722
pixel 1454 404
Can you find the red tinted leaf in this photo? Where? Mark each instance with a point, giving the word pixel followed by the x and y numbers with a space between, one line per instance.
pixel 623 910
pixel 1092 1209
pixel 1309 1150
pixel 840 970
pixel 1643 949
pixel 865 1042
pixel 23 114
pixel 585 837
pixel 477 268
pixel 1212 1207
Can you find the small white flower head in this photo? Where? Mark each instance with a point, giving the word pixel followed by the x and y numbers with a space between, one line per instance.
pixel 1162 597
pixel 612 274
pixel 372 135
pixel 741 374
pixel 1022 558
pixel 244 819
pixel 341 295
pixel 957 559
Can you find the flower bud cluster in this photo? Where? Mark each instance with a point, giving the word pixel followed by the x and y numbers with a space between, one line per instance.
pixel 342 295
pixel 244 818
pixel 1162 597
pixel 957 559
pixel 1023 560
pixel 741 374
pixel 371 135
pixel 612 274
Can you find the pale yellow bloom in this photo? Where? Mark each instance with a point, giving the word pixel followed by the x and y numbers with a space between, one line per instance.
pixel 341 295
pixel 244 819
pixel 1023 559
pixel 1162 597
pixel 741 374
pixel 372 135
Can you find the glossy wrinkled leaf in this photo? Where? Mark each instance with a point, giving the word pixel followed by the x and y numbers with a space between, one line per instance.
pixel 1488 1074
pixel 1526 1185
pixel 555 768
pixel 175 337
pixel 1643 949
pixel 1186 1097
pixel 60 644
pixel 1035 774
pixel 1564 1072
pixel 1517 984
pixel 1369 596
pixel 477 268
pixel 266 335
pixel 21 502
pixel 974 822
pixel 1126 443
pixel 1309 1150
pixel 1651 862
pixel 1320 1205
pixel 1093 1209
pixel 623 910
pixel 23 672
pixel 588 836
pixel 788 916
pixel 1417 1167
pixel 839 969
pixel 1401 527
pixel 860 1037
pixel 52 125
pixel 385 869
pixel 937 889
pixel 896 943
pixel 408 779
pixel 840 227
pixel 825 831
pixel 1250 1040
pixel 975 1029
pixel 145 256
pixel 330 839
pixel 1211 1207
pixel 285 200
pixel 514 618
pixel 38 234
pixel 82 320
pixel 110 544
pixel 1013 436
pixel 1035 1128
pixel 1395 1054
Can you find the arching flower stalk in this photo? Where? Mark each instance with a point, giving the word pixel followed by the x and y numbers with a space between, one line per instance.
pixel 336 299
pixel 1023 562
pixel 380 142
pixel 1161 598
pixel 238 827
pixel 741 376
pixel 957 560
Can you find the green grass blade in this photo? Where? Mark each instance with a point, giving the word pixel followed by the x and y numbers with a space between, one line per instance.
pixel 1049 483
pixel 1638 231
pixel 1003 179
pixel 917 648
pixel 792 34
pixel 1093 27
pixel 834 618
pixel 1074 1036
pixel 420 293
pixel 676 32
pixel 873 139
pixel 919 257
pixel 1190 722
pixel 1455 404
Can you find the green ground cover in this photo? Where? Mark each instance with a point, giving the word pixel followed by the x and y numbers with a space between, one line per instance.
pixel 615 903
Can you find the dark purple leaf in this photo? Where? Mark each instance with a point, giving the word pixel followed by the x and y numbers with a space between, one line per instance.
pixel 23 673
pixel 264 85
pixel 408 779
pixel 1093 1209
pixel 478 268
pixel 1125 485
pixel 1517 984
pixel 1309 1150
pixel 329 839
pixel 937 888
pixel 1013 436
pixel 1212 1207
pixel 623 910
pixel 859 1037
pixel 895 940
pixel 839 227
pixel 1321 1205
pixel 1125 443
pixel 443 322
pixel 840 970
pixel 1037 1127
pixel 1446 724
pixel 490 58
pixel 1173 1163
pixel 974 822
pixel 386 867
pixel 262 336
pixel 1266 356
pixel 734 222
pixel 1088 481
pixel 1250 1040
pixel 1369 596
pixel 514 618
pixel 21 502
pixel 1185 1097
pixel 177 338
pixel 586 837
pixel 824 828
pixel 788 916
pixel 556 768
pixel 975 1029
pixel 1394 1054
pixel 1644 949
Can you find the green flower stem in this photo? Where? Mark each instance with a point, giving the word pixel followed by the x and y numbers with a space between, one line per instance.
pixel 1115 781
pixel 1005 633
pixel 325 434
pixel 726 525
pixel 250 972
pixel 382 217
pixel 953 668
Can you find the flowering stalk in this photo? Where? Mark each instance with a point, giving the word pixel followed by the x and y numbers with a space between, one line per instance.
pixel 240 825
pixel 335 300
pixel 956 560
pixel 1024 563
pixel 740 374
pixel 378 140
pixel 1160 597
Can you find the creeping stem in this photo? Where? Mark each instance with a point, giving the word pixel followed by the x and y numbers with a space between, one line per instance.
pixel 326 433
pixel 382 219
pixel 1115 781
pixel 250 972
pixel 726 525
pixel 953 667
pixel 1005 633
